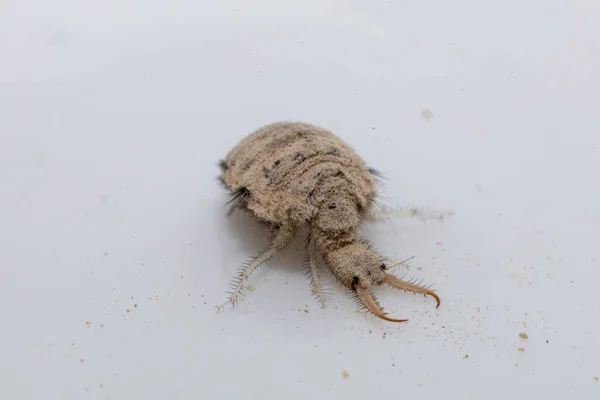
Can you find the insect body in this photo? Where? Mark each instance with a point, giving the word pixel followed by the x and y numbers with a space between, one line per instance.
pixel 296 176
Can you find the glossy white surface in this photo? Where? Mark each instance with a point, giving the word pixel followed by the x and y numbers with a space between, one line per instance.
pixel 114 244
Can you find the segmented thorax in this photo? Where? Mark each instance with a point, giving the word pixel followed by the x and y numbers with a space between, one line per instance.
pixel 290 171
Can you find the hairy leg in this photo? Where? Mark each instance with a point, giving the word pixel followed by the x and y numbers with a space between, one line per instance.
pixel 315 283
pixel 280 240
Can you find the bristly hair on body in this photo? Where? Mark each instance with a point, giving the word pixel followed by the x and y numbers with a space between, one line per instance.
pixel 292 175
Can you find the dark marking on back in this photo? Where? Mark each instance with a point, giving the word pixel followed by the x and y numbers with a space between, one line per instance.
pixel 299 156
pixel 266 172
pixel 248 164
pixel 282 141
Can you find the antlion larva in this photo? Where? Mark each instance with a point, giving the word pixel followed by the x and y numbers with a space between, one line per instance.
pixel 299 177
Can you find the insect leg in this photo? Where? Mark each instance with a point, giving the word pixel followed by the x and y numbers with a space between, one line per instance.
pixel 281 239
pixel 315 280
pixel 421 214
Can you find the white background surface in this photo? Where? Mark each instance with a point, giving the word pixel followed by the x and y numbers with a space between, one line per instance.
pixel 113 115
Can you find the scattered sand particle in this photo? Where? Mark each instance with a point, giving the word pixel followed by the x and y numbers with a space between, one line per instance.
pixel 128 310
pixel 466 356
pixel 306 311
pixel 88 323
pixel 521 349
pixel 523 335
pixel 345 374
pixel 596 379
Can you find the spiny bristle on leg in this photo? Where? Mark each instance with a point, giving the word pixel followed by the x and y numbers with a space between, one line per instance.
pixel 320 293
pixel 282 237
pixel 315 285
